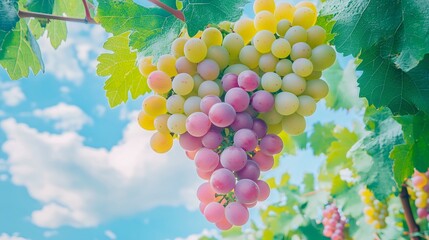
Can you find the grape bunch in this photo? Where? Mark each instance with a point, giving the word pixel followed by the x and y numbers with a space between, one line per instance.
pixel 333 223
pixel 420 184
pixel 228 92
pixel 374 210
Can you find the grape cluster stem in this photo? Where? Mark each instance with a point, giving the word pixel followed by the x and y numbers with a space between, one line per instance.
pixel 411 222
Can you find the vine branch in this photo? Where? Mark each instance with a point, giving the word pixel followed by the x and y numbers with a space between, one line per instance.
pixel 412 225
pixel 178 14
pixel 88 17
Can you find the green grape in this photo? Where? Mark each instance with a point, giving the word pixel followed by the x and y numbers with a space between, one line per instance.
pixel 286 103
pixel 220 55
pixel 249 56
pixel 236 69
pixel 307 105
pixel 300 50
pixel 261 5
pixel 208 88
pixel 302 67
pixel 272 117
pixel 167 64
pixel 296 34
pixel 314 75
pixel 212 37
pixel 294 84
pixel 177 47
pixel 268 62
pixel 263 41
pixel 233 42
pixel 175 104
pixel 284 67
pixel 177 123
pixel 271 82
pixel 294 124
pixel 304 17
pixel 316 89
pixel 282 27
pixel 284 10
pixel 183 84
pixel 265 20
pixel 274 128
pixel 316 35
pixel 146 67
pixel 246 29
pixel 195 50
pixel 280 48
pixel 322 56
pixel 192 104
pixel 160 123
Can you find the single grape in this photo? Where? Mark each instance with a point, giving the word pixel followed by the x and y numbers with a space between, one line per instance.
pixel 265 20
pixel 304 17
pixel 146 121
pixel 322 57
pixel 146 67
pixel 212 140
pixel 263 41
pixel 183 65
pixel 274 128
pixel 300 50
pixel 223 225
pixel 262 101
pixel 155 105
pixel 248 80
pixel 195 50
pixel 314 75
pixel 205 193
pixel 208 88
pixel 271 82
pixel 249 171
pixel 229 81
pixel 259 127
pixel 183 84
pixel 233 42
pixel 268 62
pixel 246 139
pixel 167 64
pixel 284 67
pixel 271 117
pixel 220 55
pixel 264 190
pixel 281 48
pixel 159 82
pixel 198 124
pixel 307 105
pixel 176 123
pixel 294 83
pixel 282 27
pixel 208 69
pixel 236 69
pixel 177 47
pixel 222 181
pixel 242 120
pixel 222 114
pixel 214 212
pixel 206 159
pixel 302 67
pixel 233 158
pixel 236 213
pixel 261 5
pixel 207 102
pixel 284 11
pixel 296 34
pixel 294 124
pixel 316 89
pixel 316 35
pixel 189 142
pixel 271 144
pixel 161 142
pixel 238 99
pixel 192 104
pixel 246 191
pixel 212 37
pixel 249 56
pixel 175 104
pixel 307 4
pixel 286 103
pixel 245 28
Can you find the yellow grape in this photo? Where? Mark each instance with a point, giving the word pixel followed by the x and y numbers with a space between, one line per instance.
pixel 167 64
pixel 195 50
pixel 286 103
pixel 155 105
pixel 283 26
pixel 314 75
pixel 316 35
pixel 220 55
pixel 307 106
pixel 268 62
pixel 159 82
pixel 294 83
pixel 322 57
pixel 233 42
pixel 183 84
pixel 296 34
pixel 160 123
pixel 265 20
pixel 284 10
pixel 369 211
pixel 302 67
pixel 177 47
pixel 246 29
pixel 306 4
pixel 263 41
pixel 146 121
pixel 280 48
pixel 225 25
pixel 212 37
pixel 177 123
pixel 161 142
pixel 304 17
pixel 284 67
pixel 249 56
pixel 294 124
pixel 261 5
pixel 274 128
pixel 420 202
pixel 146 66
pixel 316 89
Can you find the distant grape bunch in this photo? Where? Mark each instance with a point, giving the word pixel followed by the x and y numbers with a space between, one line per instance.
pixel 228 92
pixel 333 223
pixel 420 185
pixel 375 211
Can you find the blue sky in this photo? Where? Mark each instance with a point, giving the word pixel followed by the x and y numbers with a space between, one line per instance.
pixel 72 168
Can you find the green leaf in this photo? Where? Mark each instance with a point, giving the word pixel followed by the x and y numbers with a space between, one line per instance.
pixel 233 232
pixel 120 67
pixel 349 201
pixel 152 29
pixel 384 133
pixel 308 182
pixel 326 22
pixel 200 13
pixel 41 6
pixel 301 140
pixel 9 15
pixel 361 25
pixel 312 231
pixel 384 85
pixel 415 152
pixel 322 137
pixel 343 90
pixel 19 51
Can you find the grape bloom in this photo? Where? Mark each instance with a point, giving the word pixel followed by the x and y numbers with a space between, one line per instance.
pixel 227 95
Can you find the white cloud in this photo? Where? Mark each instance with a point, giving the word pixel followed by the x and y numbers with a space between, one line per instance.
pixel 204 233
pixel 11 94
pixel 110 235
pixel 15 236
pixel 2 113
pixel 49 234
pixel 67 117
pixel 83 186
pixel 64 90
pixel 100 110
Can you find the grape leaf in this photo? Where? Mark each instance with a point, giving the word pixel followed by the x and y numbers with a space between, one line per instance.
pixel 9 15
pixel 200 13
pixel 343 90
pixel 152 29
pixel 120 67
pixel 322 137
pixel 41 6
pixel 371 153
pixel 384 85
pixel 415 152
pixel 19 51
pixel 308 182
pixel 326 22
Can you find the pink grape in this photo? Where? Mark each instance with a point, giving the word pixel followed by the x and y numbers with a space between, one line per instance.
pixel 250 110
pixel 249 171
pixel 214 212
pixel 202 207
pixel 422 213
pixel 248 80
pixel 262 101
pixel 189 142
pixel 250 205
pixel 198 124
pixel 264 190
pixel 206 175
pixel 242 120
pixel 236 214
pixel 205 193
pixel 229 81
pixel 223 224
pixel 208 69
pixel 238 99
pixel 206 159
pixel 264 161
pixel 222 114
pixel 191 154
pixel 233 158
pixel 183 65
pixel 246 139
pixel 207 102
pixel 259 127
pixel 222 181
pixel 246 191
pixel 271 144
pixel 212 139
